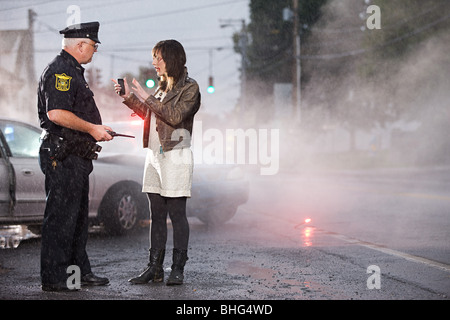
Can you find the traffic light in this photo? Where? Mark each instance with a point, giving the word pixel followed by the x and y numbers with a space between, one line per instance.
pixel 211 88
pixel 150 83
pixel 148 76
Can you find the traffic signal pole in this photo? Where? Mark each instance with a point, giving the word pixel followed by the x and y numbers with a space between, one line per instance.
pixel 210 88
pixel 296 74
pixel 243 45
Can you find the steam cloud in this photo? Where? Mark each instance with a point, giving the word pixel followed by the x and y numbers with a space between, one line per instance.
pixel 357 78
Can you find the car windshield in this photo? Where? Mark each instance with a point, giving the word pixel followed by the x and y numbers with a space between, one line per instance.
pixel 23 141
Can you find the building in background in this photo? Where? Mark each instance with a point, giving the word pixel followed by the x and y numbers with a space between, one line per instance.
pixel 17 75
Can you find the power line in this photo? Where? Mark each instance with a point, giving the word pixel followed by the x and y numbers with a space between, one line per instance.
pixel 153 15
pixel 132 19
pixel 395 25
pixel 148 48
pixel 26 6
pixel 47 13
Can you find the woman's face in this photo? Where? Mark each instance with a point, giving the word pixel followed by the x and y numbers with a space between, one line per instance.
pixel 159 64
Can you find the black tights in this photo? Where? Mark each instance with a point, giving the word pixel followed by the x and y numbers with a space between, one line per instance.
pixel 176 208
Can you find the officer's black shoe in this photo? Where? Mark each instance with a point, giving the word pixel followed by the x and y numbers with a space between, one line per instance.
pixel 92 280
pixel 56 287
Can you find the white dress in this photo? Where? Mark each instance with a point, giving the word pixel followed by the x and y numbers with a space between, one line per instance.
pixel 167 173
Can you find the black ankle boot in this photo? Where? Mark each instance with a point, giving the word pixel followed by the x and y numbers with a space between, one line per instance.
pixel 154 270
pixel 176 276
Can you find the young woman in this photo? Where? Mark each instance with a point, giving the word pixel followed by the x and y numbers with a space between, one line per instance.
pixel 168 118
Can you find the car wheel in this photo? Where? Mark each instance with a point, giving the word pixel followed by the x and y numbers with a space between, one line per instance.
pixel 218 215
pixel 123 206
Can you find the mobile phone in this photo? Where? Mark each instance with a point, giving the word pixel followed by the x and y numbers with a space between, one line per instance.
pixel 122 86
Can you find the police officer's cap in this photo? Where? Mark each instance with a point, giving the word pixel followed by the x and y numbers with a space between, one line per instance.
pixel 82 30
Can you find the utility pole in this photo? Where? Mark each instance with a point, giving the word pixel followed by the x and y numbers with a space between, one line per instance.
pixel 243 44
pixel 296 72
pixel 210 88
pixel 30 60
pixel 111 68
pixel 25 52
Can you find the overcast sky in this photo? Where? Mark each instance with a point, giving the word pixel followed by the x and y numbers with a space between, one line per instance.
pixel 130 28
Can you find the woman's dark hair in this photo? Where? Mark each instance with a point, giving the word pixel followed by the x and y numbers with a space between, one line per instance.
pixel 172 52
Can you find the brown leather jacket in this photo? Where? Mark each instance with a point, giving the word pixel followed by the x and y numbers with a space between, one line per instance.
pixel 174 116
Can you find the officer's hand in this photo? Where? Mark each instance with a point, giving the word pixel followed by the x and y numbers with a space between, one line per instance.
pixel 99 132
pixel 117 87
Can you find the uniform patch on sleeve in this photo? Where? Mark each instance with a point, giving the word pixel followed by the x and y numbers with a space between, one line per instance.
pixel 62 82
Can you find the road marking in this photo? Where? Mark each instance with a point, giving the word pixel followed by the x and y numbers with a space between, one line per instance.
pixel 407 256
pixel 374 246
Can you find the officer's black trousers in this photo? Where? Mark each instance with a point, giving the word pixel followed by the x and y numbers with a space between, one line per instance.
pixel 65 225
pixel 176 208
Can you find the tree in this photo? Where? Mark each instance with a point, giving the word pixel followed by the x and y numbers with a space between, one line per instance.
pixel 406 33
pixel 364 79
pixel 270 53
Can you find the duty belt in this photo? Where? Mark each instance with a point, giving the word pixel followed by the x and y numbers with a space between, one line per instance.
pixel 53 138
pixel 76 145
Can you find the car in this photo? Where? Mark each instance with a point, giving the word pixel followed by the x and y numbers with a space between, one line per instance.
pixel 116 202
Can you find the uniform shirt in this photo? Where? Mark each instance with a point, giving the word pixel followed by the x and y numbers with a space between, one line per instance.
pixel 62 86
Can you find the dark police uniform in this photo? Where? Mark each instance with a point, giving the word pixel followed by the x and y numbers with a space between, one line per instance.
pixel 65 226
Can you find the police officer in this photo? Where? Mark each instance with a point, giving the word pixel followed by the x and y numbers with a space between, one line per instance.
pixel 66 105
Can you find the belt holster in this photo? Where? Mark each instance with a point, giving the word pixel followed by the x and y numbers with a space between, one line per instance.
pixel 80 147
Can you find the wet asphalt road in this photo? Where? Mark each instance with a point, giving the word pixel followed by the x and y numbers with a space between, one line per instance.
pixel 387 219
